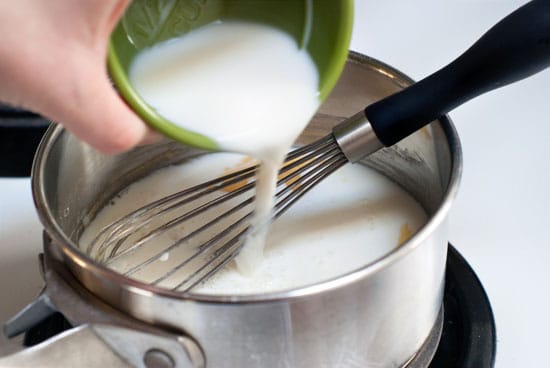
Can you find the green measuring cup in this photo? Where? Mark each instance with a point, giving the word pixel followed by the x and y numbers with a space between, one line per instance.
pixel 322 27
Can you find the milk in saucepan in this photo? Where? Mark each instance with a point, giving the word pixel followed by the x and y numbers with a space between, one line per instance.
pixel 247 86
pixel 351 219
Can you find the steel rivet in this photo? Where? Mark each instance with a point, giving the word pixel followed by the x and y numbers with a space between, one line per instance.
pixel 156 358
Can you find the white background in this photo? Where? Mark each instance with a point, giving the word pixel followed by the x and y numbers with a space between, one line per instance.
pixel 499 222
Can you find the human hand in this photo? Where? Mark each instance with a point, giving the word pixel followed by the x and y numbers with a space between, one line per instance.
pixel 53 62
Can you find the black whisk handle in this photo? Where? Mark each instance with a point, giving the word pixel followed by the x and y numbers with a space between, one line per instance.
pixel 515 48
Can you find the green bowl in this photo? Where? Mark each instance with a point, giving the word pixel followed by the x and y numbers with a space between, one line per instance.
pixel 147 22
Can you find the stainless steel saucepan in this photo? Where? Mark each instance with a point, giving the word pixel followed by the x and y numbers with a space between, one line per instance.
pixel 381 315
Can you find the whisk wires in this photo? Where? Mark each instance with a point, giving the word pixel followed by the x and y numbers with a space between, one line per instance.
pixel 203 227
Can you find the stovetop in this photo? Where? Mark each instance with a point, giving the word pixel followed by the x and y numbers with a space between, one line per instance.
pixel 499 220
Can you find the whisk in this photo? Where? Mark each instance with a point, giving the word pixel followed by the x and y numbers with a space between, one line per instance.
pixel 222 205
pixel 219 210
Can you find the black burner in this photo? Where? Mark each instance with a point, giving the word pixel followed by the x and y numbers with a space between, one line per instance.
pixel 20 133
pixel 51 326
pixel 469 337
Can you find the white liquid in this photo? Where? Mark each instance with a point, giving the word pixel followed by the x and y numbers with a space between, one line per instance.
pixel 327 233
pixel 246 86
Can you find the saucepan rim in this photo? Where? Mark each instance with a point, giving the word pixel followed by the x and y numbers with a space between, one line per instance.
pixel 78 259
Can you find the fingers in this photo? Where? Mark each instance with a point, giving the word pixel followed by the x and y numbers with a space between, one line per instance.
pixel 103 120
pixel 55 66
pixel 80 97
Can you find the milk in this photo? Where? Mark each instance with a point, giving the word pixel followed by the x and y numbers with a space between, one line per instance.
pixel 326 234
pixel 247 86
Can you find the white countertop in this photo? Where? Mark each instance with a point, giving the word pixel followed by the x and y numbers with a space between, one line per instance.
pixel 499 220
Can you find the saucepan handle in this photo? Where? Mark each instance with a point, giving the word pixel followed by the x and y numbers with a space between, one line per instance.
pixel 97 345
pixel 107 339
pixel 515 48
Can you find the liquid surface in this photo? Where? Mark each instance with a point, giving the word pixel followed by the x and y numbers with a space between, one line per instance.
pixel 247 86
pixel 327 233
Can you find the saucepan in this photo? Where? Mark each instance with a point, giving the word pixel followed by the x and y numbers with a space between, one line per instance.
pixel 380 315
